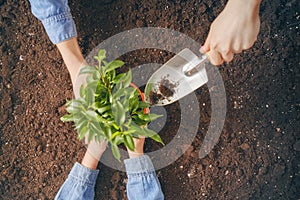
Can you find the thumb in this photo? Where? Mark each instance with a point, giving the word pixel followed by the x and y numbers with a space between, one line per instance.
pixel 206 47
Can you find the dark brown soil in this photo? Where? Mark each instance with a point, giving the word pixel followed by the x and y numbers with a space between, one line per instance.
pixel 257 156
pixel 155 97
pixel 167 88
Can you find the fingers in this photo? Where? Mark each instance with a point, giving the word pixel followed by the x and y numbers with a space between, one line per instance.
pixel 138 148
pixel 139 142
pixel 96 149
pixel 227 56
pixel 215 57
pixel 206 47
pixel 216 51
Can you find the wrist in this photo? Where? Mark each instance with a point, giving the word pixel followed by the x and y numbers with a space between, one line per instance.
pixel 90 161
pixel 138 148
pixel 248 9
pixel 133 154
pixel 249 4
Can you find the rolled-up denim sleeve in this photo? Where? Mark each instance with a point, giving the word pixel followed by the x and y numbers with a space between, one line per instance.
pixel 56 18
pixel 142 180
pixel 80 184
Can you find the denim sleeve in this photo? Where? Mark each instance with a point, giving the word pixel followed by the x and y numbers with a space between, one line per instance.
pixel 80 184
pixel 143 183
pixel 56 18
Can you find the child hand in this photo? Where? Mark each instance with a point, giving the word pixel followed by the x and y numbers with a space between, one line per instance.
pixel 93 154
pixel 96 149
pixel 138 148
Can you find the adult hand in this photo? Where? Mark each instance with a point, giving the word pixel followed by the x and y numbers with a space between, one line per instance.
pixel 235 29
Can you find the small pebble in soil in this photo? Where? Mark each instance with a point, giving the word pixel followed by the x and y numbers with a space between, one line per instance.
pixel 245 146
pixel 278 130
pixel 226 172
pixel 235 105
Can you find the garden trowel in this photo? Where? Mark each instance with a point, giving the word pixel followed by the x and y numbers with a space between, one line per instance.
pixel 178 77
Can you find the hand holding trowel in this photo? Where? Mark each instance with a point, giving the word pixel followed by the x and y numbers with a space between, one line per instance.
pixel 180 76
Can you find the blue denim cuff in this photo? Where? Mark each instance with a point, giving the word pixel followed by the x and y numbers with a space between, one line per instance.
pixel 138 165
pixel 83 174
pixel 60 27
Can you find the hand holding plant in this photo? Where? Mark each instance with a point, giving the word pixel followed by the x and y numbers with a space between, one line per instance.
pixel 108 108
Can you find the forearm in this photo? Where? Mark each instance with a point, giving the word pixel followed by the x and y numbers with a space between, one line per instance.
pixel 250 5
pixel 72 56
pixel 80 184
pixel 56 18
pixel 142 180
pixel 253 2
pixel 58 22
pixel 90 161
pixel 138 149
pixel 93 154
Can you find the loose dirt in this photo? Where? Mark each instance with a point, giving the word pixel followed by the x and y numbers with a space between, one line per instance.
pixel 257 155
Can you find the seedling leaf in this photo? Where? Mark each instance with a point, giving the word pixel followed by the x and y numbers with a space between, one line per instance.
pixel 129 142
pixel 88 70
pixel 128 78
pixel 67 118
pixel 118 112
pixel 109 108
pixel 114 65
pixel 115 151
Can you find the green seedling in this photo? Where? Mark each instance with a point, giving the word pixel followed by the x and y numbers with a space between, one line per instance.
pixel 109 107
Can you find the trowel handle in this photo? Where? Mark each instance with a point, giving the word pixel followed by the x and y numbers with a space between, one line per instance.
pixel 200 63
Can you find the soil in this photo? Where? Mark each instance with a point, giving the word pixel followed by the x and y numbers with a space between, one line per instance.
pixel 257 155
pixel 155 97
pixel 166 89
